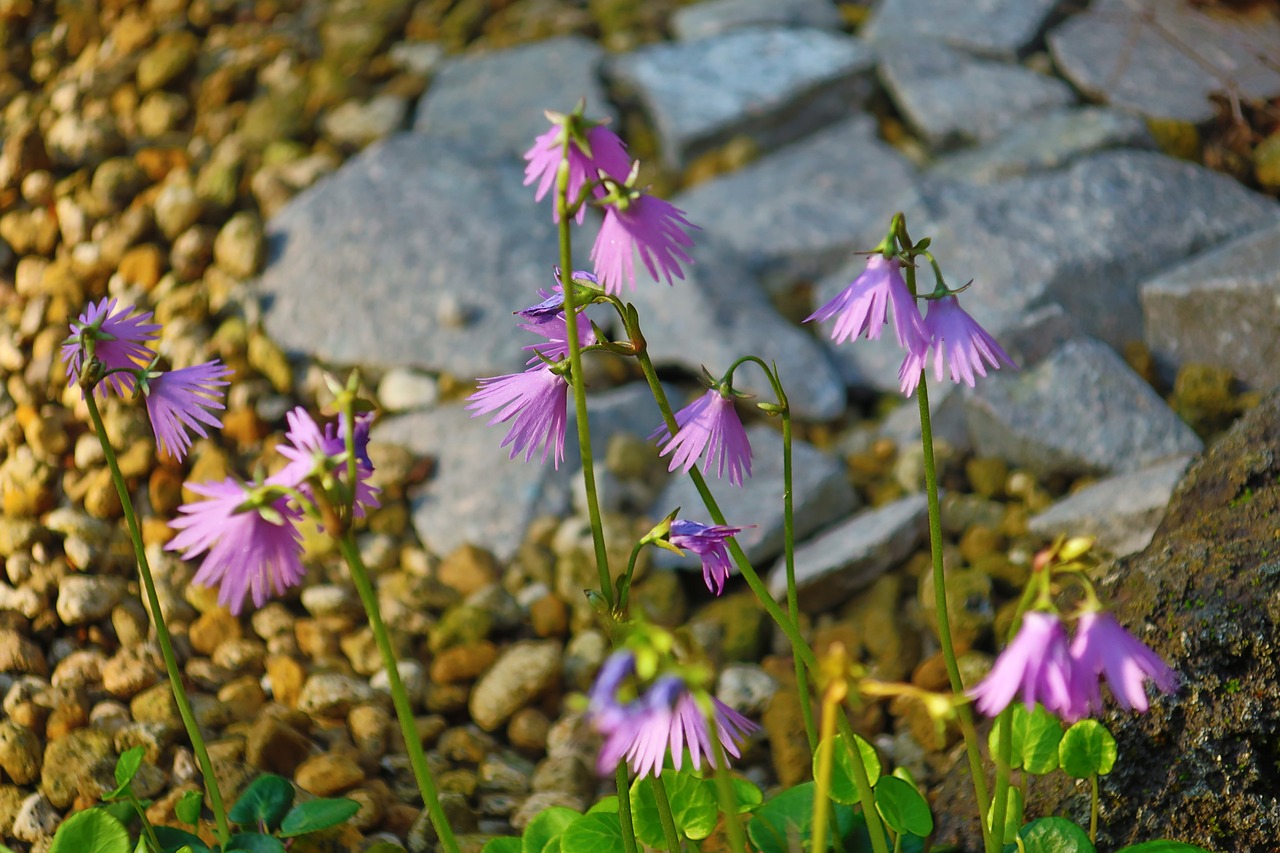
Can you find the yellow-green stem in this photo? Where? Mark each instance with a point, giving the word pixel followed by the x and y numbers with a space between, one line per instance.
pixel 1093 809
pixel 724 791
pixel 624 808
pixel 822 782
pixel 162 630
pixel 575 379
pixel 664 814
pixel 399 698
pixel 1004 753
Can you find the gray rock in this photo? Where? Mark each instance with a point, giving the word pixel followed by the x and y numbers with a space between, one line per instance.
pixel 493 103
pixel 401 390
pixel 719 314
pixel 773 84
pixel 1044 142
pixel 519 675
pixel 850 556
pixel 332 694
pixel 1084 237
pixel 1221 308
pixel 36 819
pixel 1081 411
pixel 1122 511
pixel 716 17
pixel 746 688
pixel 1163 60
pixel 997 28
pixel 794 215
pixel 358 123
pixel 821 493
pixel 477 495
pixel 950 98
pixel 87 598
pixel 430 236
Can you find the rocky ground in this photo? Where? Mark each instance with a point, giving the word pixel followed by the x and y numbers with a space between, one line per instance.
pixel 297 186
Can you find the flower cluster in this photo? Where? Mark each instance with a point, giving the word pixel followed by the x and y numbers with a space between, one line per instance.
pixel 1064 674
pixel 708 425
pixel 665 718
pixel 249 532
pixel 947 331
pixel 109 350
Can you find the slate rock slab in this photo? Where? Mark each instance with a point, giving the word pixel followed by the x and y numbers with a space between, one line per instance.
pixel 718 314
pixel 1042 142
pixel 493 103
pixel 412 254
pixel 1122 511
pixel 720 16
pixel 822 494
pixel 848 557
pixel 1220 308
pixel 952 99
pixel 773 84
pixel 996 28
pixel 1164 60
pixel 479 496
pixel 797 213
pixel 1080 411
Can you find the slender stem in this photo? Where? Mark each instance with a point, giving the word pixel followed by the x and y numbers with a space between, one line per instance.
pixel 940 606
pixel 1093 809
pixel 404 713
pixel 793 600
pixel 162 630
pixel 1004 753
pixel 664 814
pixel 867 797
pixel 624 809
pixel 624 588
pixel 575 378
pixel 147 829
pixel 724 791
pixel 822 782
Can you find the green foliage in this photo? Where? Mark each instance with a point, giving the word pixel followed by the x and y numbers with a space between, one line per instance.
pixel 599 832
pixel 1012 815
pixel 903 809
pixel 172 839
pixel 315 815
pixel 91 831
pixel 787 819
pixel 693 807
pixel 126 768
pixel 254 842
pixel 502 845
pixel 265 802
pixel 843 788
pixel 1087 748
pixel 1035 738
pixel 546 828
pixel 1162 846
pixel 188 807
pixel 1052 835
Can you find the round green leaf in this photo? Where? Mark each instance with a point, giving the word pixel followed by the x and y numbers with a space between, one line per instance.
pixel 902 807
pixel 266 800
pixel 600 833
pixel 693 807
pixel 188 807
pixel 1012 815
pixel 502 845
pixel 785 821
pixel 172 839
pixel 1163 846
pixel 545 827
pixel 1035 739
pixel 315 815
pixel 607 804
pixel 746 793
pixel 91 831
pixel 843 788
pixel 1055 835
pixel 1087 748
pixel 254 842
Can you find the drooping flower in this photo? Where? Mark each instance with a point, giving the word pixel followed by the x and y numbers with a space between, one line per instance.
pixel 863 307
pixel 311 452
pixel 252 550
pixel 536 401
pixel 1101 646
pixel 607 153
pixel 664 718
pixel 556 332
pixel 1037 663
pixel 707 541
pixel 644 225
pixel 709 424
pixel 957 338
pixel 119 342
pixel 182 400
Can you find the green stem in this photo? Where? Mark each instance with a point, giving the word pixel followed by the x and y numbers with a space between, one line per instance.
pixel 724 791
pixel 822 782
pixel 404 712
pixel 624 809
pixel 940 606
pixel 664 813
pixel 575 378
pixel 624 587
pixel 147 829
pixel 1004 754
pixel 162 630
pixel 1093 809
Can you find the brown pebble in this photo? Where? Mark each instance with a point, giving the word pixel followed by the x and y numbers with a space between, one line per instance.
pixel 549 616
pixel 276 747
pixel 212 629
pixel 468 569
pixel 327 774
pixel 463 663
pixel 931 674
pixel 368 725
pixel 399 818
pixel 286 676
pixel 142 265
pixel 528 730
pixel 243 697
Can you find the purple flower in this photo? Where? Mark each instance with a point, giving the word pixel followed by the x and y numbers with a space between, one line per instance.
pixel 1102 647
pixel 537 402
pixel 665 718
pixel 709 423
pixel 1038 663
pixel 310 453
pixel 646 225
pixel 608 154
pixel 119 342
pixel 957 337
pixel 251 550
pixel 182 400
pixel 707 541
pixel 556 332
pixel 863 307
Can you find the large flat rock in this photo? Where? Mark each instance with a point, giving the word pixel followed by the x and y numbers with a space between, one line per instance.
pixel 1220 308
pixel 713 17
pixel 997 28
pixel 773 84
pixel 797 213
pixel 1164 60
